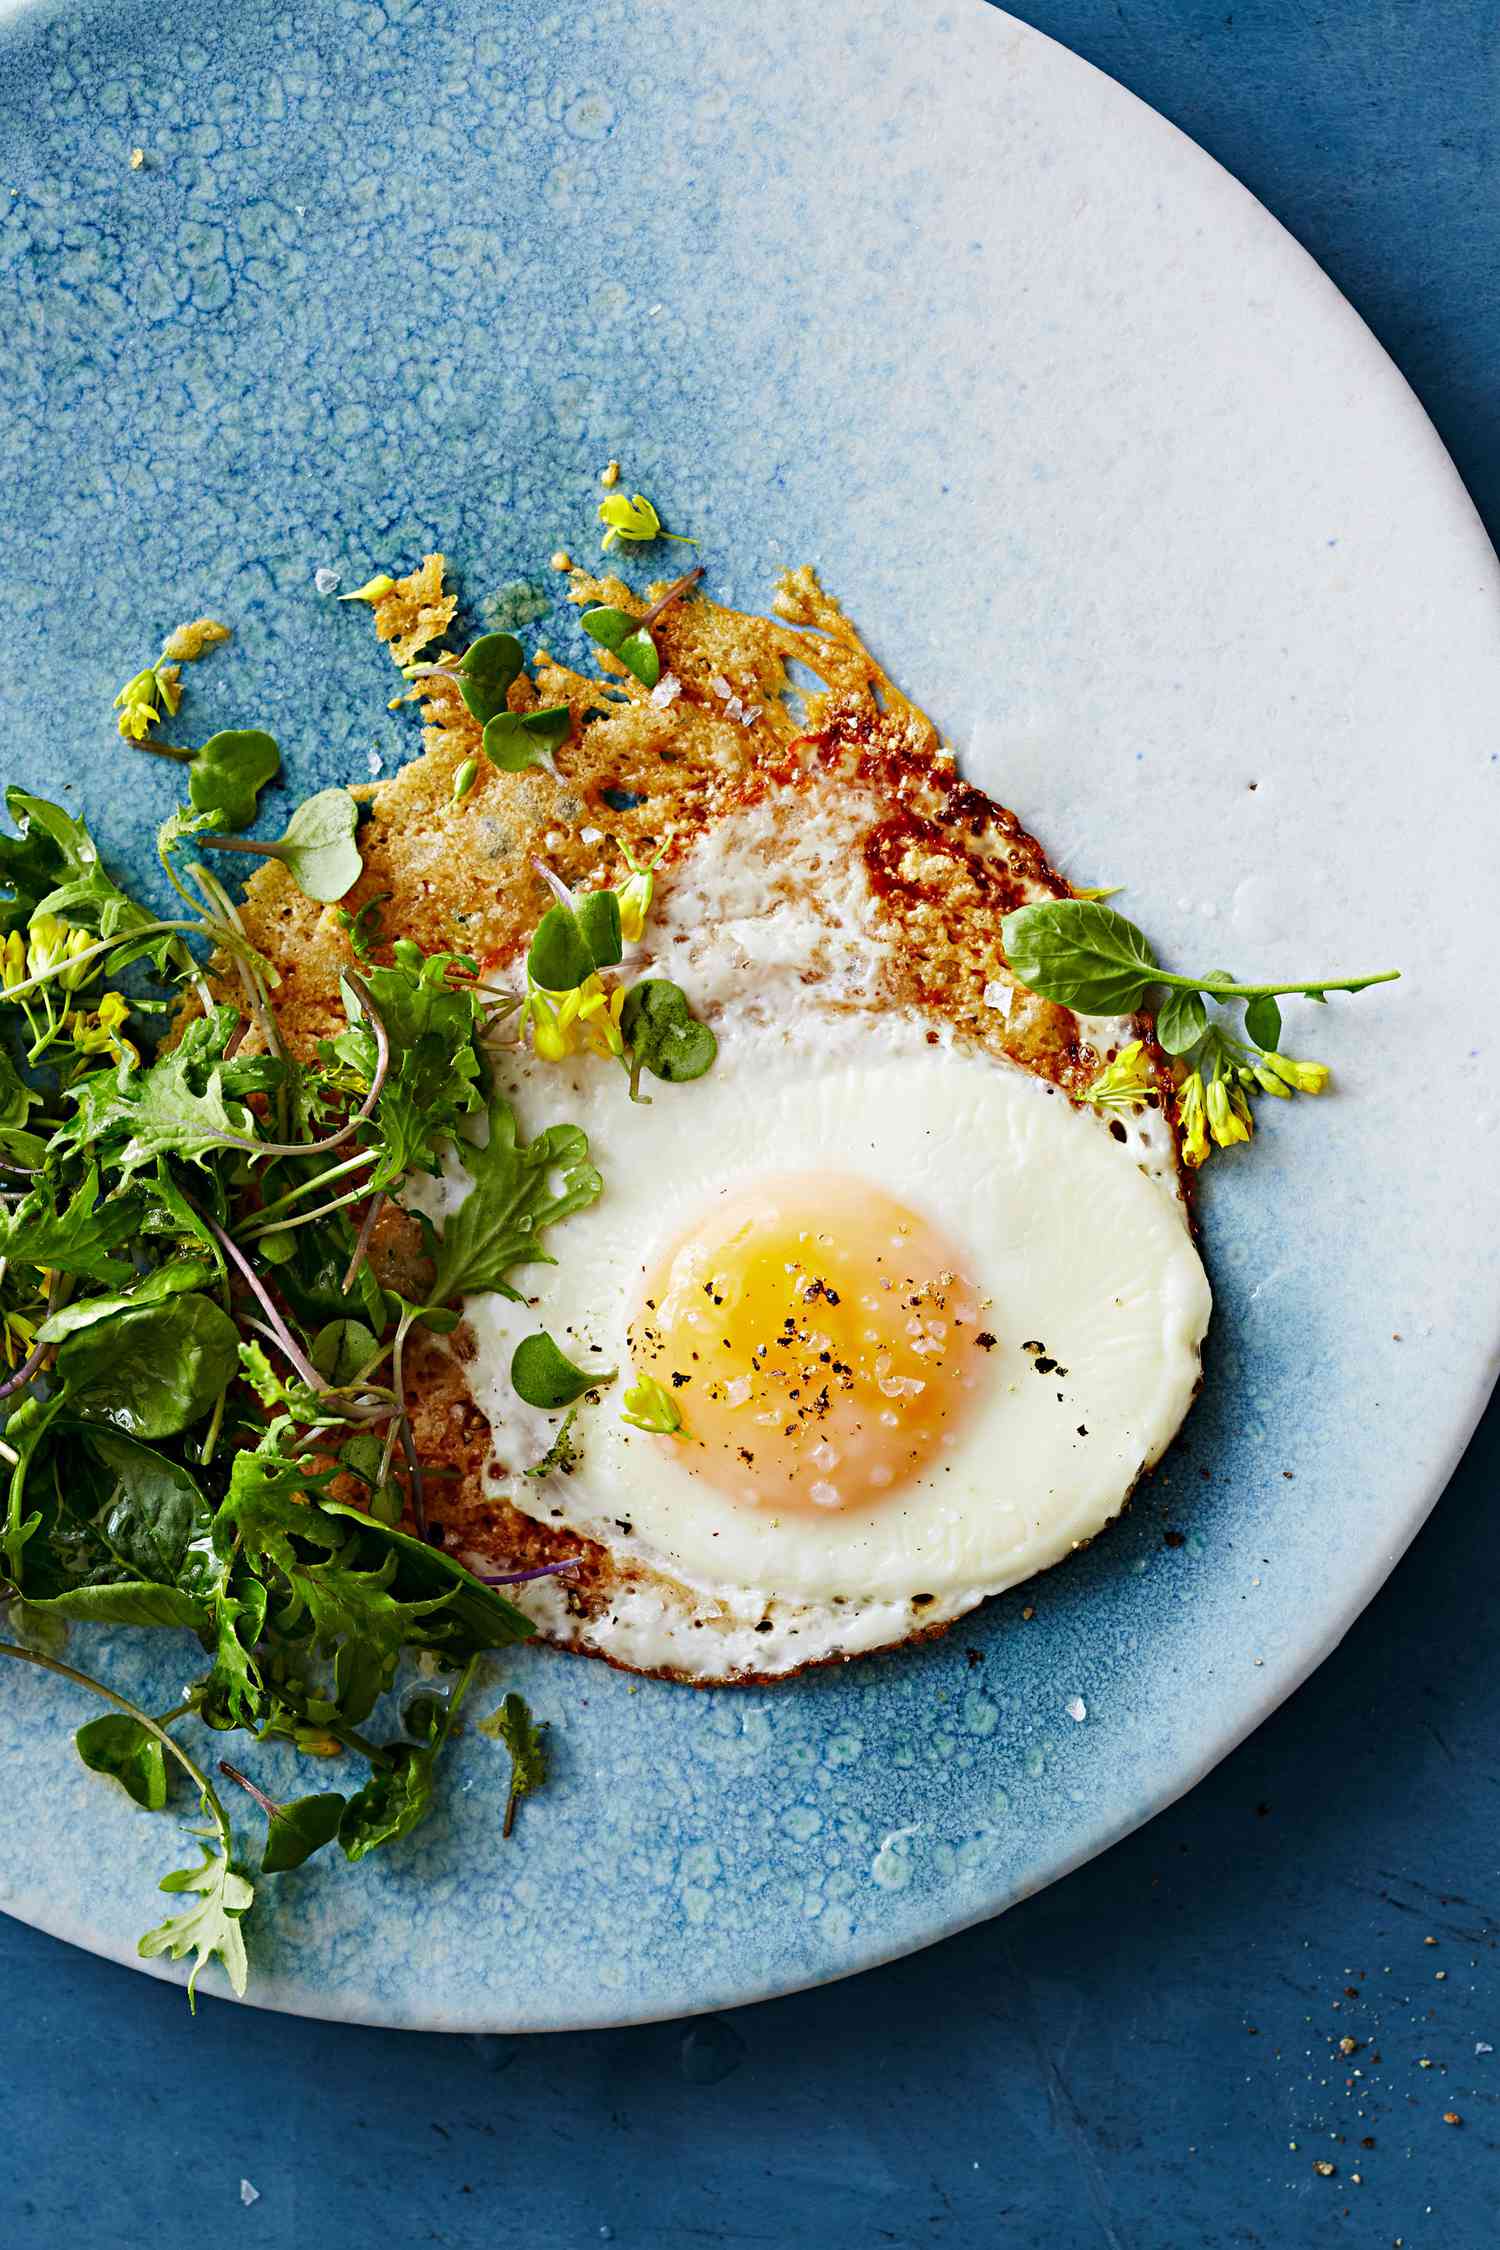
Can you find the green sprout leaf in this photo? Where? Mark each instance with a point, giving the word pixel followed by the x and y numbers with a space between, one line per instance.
pixel 663 1035
pixel 571 942
pixel 514 740
pixel 560 958
pixel 1180 1021
pixel 544 1376
pixel 121 1747
pixel 1081 954
pixel 211 1928
pixel 486 672
pixel 626 638
pixel 318 849
pixel 598 918
pixel 229 772
pixel 1263 1023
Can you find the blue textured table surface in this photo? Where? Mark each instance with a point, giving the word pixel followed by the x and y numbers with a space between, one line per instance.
pixel 1296 1967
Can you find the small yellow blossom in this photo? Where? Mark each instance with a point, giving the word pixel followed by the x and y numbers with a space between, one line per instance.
pixel 136 704
pixel 647 1406
pixel 554 1022
pixel 17 1335
pixel 1304 1077
pixel 98 1031
pixel 1229 1118
pixel 634 519
pixel 636 895
pixel 46 944
pixel 13 961
pixel 1193 1117
pixel 373 590
pixel 1124 1082
pixel 599 1013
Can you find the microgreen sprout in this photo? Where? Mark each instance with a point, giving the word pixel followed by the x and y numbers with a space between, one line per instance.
pixel 1084 955
pixel 543 1375
pixel 514 740
pixel 318 849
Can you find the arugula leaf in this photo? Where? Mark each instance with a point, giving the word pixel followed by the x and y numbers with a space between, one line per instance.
pixel 500 1221
pixel 431 1077
pixel 663 1034
pixel 154 1371
pixel 128 1117
pixel 171 1279
pixel 514 740
pixel 300 1828
pixel 78 1238
pixel 363 1589
pixel 229 772
pixel 514 1725
pixel 395 1799
pixel 364 928
pixel 117 1745
pixel 544 1376
pixel 486 671
pixel 55 868
pixel 210 1929
pixel 626 638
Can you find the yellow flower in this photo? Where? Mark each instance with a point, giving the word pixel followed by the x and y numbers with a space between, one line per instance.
pixel 1267 1080
pixel 599 1013
pixel 636 895
pixel 1193 1118
pixel 46 944
pixel 1124 1082
pixel 136 704
pixel 13 961
pixel 634 519
pixel 78 971
pixel 373 590
pixel 554 1023
pixel 17 1334
pixel 1304 1077
pixel 99 1031
pixel 1227 1122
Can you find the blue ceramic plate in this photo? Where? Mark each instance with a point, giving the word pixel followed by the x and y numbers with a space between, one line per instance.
pixel 1124 493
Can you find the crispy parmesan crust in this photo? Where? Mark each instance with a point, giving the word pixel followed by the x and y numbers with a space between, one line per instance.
pixel 946 862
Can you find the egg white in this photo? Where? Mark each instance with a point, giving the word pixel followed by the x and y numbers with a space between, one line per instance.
pixel 1075 1238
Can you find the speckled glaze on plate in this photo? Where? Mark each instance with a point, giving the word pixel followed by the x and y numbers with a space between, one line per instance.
pixel 1125 494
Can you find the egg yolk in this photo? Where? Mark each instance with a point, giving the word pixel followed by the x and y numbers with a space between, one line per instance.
pixel 818 1339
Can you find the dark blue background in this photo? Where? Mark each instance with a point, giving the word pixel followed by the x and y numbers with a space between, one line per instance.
pixel 1146 2057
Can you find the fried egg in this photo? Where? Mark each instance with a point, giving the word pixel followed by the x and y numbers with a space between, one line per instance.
pixel 925 1320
